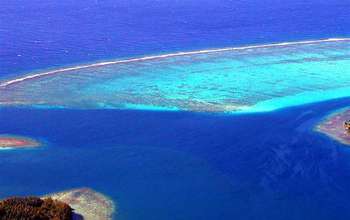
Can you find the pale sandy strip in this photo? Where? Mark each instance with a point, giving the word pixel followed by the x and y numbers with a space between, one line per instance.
pixel 14 81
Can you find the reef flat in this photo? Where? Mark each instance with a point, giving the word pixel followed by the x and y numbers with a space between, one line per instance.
pixel 242 79
pixel 11 141
pixel 87 203
pixel 333 126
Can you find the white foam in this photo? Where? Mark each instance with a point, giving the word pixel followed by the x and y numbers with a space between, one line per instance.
pixel 62 70
pixel 6 148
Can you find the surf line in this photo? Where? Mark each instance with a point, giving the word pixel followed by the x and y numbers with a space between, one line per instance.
pixel 146 58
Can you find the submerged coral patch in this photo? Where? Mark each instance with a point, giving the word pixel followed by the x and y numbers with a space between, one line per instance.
pixel 246 79
pixel 11 141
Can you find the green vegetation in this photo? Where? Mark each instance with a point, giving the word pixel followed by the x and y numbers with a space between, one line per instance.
pixel 34 208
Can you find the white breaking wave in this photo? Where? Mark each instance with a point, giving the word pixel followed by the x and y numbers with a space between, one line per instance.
pixel 62 70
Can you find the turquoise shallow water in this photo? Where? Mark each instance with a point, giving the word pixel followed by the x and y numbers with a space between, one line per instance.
pixel 250 79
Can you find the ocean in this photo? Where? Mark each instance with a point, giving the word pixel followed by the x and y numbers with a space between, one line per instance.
pixel 40 34
pixel 180 164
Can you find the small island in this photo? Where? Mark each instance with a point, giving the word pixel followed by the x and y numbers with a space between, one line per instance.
pixel 34 208
pixel 12 141
pixel 337 126
pixel 76 204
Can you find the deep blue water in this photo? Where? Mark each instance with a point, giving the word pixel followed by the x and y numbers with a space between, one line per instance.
pixel 163 165
pixel 41 34
pixel 173 165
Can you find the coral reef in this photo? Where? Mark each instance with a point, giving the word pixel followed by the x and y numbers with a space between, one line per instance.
pixel 11 141
pixel 87 203
pixel 334 126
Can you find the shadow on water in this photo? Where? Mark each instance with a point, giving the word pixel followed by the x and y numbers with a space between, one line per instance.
pixel 77 216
